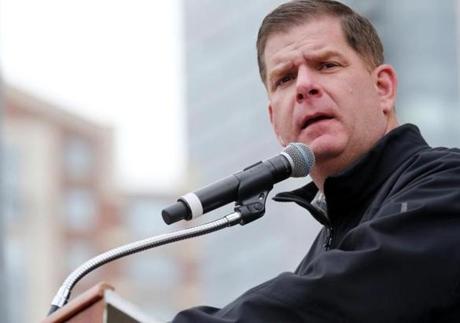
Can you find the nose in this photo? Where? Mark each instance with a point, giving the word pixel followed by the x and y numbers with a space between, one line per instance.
pixel 306 84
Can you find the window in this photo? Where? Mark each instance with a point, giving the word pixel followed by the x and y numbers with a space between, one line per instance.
pixel 10 190
pixel 80 208
pixel 78 158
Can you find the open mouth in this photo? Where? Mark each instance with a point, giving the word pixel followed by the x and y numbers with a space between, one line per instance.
pixel 311 121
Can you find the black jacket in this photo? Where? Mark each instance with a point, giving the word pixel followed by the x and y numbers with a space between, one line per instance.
pixel 389 250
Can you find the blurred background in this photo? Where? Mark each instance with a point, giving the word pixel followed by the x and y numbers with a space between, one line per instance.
pixel 110 110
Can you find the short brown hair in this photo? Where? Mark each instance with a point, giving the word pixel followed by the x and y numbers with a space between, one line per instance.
pixel 359 32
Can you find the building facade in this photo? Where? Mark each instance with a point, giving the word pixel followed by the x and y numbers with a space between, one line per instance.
pixel 60 205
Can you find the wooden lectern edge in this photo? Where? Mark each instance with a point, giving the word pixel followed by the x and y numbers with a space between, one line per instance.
pixel 85 300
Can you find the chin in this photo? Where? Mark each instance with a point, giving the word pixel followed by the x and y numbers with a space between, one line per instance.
pixel 326 150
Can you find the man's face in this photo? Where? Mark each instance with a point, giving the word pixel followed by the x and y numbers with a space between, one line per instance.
pixel 322 93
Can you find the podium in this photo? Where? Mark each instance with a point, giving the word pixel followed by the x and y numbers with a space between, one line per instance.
pixel 99 304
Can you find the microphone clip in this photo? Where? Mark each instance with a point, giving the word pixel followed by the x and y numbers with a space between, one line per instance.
pixel 252 208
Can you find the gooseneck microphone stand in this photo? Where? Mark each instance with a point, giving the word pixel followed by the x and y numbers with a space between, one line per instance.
pixel 246 211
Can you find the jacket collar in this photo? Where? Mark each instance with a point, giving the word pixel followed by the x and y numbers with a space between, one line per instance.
pixel 361 180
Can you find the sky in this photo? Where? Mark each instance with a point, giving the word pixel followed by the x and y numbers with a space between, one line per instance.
pixel 116 62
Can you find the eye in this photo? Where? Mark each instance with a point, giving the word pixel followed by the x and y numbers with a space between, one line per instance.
pixel 327 65
pixel 284 79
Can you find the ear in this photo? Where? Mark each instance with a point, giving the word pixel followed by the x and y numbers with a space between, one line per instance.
pixel 386 83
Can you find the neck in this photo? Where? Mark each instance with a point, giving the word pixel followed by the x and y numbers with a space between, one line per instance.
pixel 333 166
pixel 322 170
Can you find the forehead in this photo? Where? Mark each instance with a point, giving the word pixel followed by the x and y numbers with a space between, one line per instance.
pixel 315 36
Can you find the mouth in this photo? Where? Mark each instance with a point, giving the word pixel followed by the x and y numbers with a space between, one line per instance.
pixel 315 119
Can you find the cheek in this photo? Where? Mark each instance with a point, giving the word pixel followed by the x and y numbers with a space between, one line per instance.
pixel 280 121
pixel 369 120
pixel 284 112
pixel 281 113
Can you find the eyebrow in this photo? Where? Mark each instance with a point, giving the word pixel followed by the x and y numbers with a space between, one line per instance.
pixel 286 65
pixel 277 70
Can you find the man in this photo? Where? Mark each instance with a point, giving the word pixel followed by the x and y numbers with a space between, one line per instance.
pixel 390 205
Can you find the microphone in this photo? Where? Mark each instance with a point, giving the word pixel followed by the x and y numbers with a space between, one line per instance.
pixel 296 160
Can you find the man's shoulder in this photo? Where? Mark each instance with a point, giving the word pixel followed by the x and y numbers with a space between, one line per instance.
pixel 428 180
pixel 441 157
pixel 444 150
pixel 431 165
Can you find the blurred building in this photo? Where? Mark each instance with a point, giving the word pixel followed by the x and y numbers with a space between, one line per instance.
pixel 60 205
pixel 228 126
pixel 61 208
pixel 3 278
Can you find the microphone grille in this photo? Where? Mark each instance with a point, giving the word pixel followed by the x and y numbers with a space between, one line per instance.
pixel 302 158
